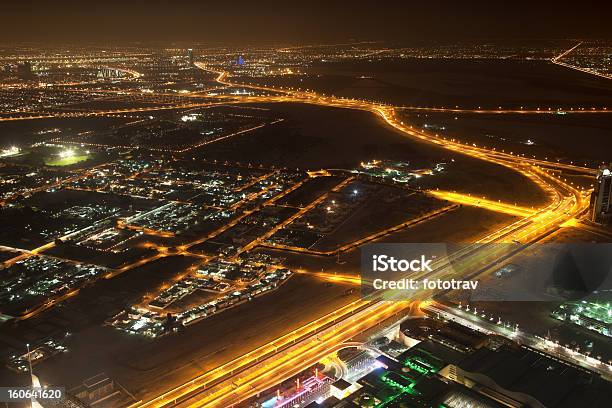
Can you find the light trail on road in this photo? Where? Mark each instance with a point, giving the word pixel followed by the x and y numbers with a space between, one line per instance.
pixel 304 355
pixel 495 206
pixel 236 365
pixel 567 203
pixel 509 111
pixel 557 60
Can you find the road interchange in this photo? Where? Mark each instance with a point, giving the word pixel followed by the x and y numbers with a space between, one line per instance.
pixel 226 386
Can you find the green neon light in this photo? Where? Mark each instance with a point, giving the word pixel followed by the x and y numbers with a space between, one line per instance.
pixel 416 367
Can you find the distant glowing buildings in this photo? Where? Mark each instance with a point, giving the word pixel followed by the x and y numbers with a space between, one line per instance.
pixel 11 151
pixel 190 56
pixel 106 72
pixel 601 205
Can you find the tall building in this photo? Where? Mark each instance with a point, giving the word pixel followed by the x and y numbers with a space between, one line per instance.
pixel 601 205
pixel 106 72
pixel 190 56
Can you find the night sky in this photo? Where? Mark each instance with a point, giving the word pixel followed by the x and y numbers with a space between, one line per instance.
pixel 264 21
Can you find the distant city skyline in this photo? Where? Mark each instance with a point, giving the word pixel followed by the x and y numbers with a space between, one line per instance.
pixel 192 195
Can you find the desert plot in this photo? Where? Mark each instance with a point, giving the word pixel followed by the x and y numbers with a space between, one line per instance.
pixel 449 82
pixel 569 137
pixel 387 208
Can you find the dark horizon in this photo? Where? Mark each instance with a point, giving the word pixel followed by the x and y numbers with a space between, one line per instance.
pixel 271 21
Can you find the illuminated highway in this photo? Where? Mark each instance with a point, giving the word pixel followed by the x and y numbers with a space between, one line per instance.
pixel 222 79
pixel 295 351
pixel 203 266
pixel 237 365
pixel 495 206
pixel 475 257
pixel 557 60
pixel 567 202
pixel 390 115
pixel 94 113
pixel 508 111
pixel 305 354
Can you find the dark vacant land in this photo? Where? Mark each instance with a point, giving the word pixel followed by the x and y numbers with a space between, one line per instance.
pixel 145 366
pixel 386 207
pixel 309 191
pixel 315 137
pixel 180 129
pixel 5 255
pixel 582 138
pixel 94 304
pixel 463 225
pixel 450 82
pixel 22 133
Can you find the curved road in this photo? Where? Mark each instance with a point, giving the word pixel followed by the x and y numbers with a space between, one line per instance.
pixel 226 387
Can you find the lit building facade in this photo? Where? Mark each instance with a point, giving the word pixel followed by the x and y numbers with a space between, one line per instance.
pixel 601 206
